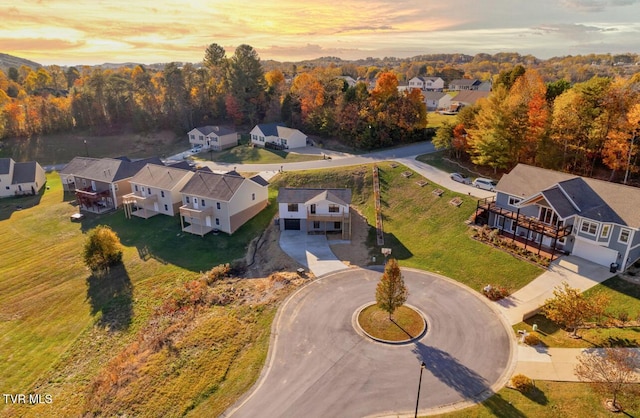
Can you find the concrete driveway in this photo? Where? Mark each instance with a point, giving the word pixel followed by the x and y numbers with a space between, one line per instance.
pixel 319 366
pixel 312 251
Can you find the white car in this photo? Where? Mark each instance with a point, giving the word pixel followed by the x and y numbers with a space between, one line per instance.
pixel 460 178
pixel 197 148
pixel 486 184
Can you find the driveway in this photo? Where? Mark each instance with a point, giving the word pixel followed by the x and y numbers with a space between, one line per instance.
pixel 312 251
pixel 578 272
pixel 319 366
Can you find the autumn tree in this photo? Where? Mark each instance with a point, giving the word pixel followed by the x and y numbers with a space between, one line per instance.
pixel 102 248
pixel 610 370
pixel 391 292
pixel 568 307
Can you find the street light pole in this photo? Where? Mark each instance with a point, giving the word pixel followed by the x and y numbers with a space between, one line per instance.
pixel 422 366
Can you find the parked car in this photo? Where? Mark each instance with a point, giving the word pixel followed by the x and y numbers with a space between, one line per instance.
pixel 197 148
pixel 460 178
pixel 486 184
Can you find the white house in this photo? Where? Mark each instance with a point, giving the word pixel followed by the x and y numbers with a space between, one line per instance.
pixel 18 179
pixel 213 137
pixel 436 100
pixel 155 189
pixel 315 210
pixel 222 202
pixel 276 135
pixel 427 83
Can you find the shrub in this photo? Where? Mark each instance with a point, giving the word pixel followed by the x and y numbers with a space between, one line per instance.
pixel 623 316
pixel 521 383
pixel 531 339
pixel 495 292
pixel 217 273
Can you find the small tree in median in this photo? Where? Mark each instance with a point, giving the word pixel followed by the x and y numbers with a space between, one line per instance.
pixel 610 370
pixel 391 292
pixel 568 307
pixel 102 248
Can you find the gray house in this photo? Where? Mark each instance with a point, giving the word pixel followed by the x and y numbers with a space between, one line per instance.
pixel 564 213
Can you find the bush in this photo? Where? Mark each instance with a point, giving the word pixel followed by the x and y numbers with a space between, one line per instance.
pixel 217 273
pixel 531 339
pixel 623 316
pixel 521 383
pixel 102 248
pixel 495 292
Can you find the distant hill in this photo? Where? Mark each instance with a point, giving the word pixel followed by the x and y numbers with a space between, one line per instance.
pixel 7 61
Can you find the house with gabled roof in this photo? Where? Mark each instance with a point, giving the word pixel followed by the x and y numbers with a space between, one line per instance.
pixel 221 202
pixel 315 210
pixel 155 190
pixel 67 174
pixel 100 184
pixel 564 213
pixel 464 84
pixel 427 83
pixel 216 138
pixel 277 135
pixel 17 179
pixel 436 100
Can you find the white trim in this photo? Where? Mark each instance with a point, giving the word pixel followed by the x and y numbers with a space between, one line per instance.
pixel 568 198
pixel 608 232
pixel 514 204
pixel 597 224
pixel 629 234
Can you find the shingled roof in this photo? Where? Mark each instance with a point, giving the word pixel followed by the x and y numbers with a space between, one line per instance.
pixel 574 195
pixel 160 177
pixel 302 195
pixel 110 170
pixel 213 185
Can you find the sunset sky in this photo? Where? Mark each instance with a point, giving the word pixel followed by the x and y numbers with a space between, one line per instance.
pixel 76 32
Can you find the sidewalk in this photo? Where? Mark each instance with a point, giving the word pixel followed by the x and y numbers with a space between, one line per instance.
pixel 557 364
pixel 577 272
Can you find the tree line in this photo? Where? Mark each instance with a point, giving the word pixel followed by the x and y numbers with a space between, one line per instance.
pixel 574 128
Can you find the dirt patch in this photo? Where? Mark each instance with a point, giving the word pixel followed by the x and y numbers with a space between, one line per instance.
pixel 355 253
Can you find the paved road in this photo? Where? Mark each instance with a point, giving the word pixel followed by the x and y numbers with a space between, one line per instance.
pixel 319 366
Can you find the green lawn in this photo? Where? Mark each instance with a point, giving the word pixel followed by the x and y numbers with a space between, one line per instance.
pixel 435 119
pixel 60 325
pixel 62 148
pixel 549 400
pixel 624 297
pixel 423 231
pixel 244 154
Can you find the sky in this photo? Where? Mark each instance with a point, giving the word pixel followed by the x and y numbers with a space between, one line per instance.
pixel 77 32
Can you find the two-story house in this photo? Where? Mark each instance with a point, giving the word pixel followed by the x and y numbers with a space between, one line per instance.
pixel 593 219
pixel 101 184
pixel 155 190
pixel 17 179
pixel 222 202
pixel 213 137
pixel 427 83
pixel 436 100
pixel 277 135
pixel 67 174
pixel 315 210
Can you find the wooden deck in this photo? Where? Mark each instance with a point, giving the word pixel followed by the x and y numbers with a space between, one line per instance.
pixel 532 246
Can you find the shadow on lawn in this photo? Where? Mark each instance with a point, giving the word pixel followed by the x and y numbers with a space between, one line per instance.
pixel 13 204
pixel 111 293
pixel 463 380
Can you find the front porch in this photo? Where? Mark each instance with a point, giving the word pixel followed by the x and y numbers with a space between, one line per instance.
pixel 94 201
pixel 327 219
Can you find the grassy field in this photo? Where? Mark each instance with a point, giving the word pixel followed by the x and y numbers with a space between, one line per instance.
pixel 254 155
pixel 424 231
pixel 435 119
pixel 623 296
pixel 549 400
pixel 61 325
pixel 62 148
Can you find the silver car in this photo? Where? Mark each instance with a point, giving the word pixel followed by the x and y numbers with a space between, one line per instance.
pixel 460 178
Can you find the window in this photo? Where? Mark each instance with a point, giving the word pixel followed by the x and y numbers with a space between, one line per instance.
pixel 186 198
pixel 292 207
pixel 548 216
pixel 316 224
pixel 195 200
pixel 193 136
pixel 149 190
pixel 201 138
pixel 253 196
pixel 217 205
pixel 589 227
pixel 217 221
pixel 135 187
pixel 162 193
pixel 514 200
pixel 166 208
pixel 334 208
pixel 624 236
pixel 337 225
pixel 604 233
pixel 202 201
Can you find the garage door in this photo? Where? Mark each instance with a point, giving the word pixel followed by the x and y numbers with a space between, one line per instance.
pixel 595 253
pixel 292 224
